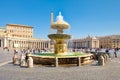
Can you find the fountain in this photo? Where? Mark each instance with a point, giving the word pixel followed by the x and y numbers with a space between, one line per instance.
pixel 60 55
pixel 60 46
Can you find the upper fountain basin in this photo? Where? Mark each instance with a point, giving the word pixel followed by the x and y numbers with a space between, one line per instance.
pixel 59 36
pixel 60 25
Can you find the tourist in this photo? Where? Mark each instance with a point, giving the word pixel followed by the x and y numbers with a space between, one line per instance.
pixel 22 59
pixel 27 53
pixel 26 57
pixel 15 57
pixel 115 52
pixel 22 56
pixel 107 52
pixel 95 54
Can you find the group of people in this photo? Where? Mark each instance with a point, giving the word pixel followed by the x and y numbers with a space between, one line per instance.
pixel 115 52
pixel 20 58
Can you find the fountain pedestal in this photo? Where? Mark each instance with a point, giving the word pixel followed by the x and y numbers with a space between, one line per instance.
pixel 60 46
pixel 60 49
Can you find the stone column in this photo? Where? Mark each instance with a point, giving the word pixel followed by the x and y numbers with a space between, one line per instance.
pixel 5 42
pixel 78 61
pixel 2 43
pixel 15 59
pixel 56 62
pixel 22 60
pixel 30 61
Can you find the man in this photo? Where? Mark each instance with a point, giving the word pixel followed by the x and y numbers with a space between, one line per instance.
pixel 115 52
pixel 107 52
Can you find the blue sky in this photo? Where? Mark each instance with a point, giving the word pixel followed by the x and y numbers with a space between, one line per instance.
pixel 94 17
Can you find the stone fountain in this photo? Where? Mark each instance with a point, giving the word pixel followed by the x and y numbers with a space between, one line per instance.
pixel 60 56
pixel 60 47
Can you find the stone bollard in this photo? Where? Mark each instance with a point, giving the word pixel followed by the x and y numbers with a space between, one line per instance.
pixel 15 59
pixel 56 62
pixel 23 63
pixel 105 58
pixel 101 60
pixel 22 60
pixel 78 61
pixel 30 62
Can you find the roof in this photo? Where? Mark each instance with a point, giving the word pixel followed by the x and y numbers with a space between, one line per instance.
pixel 19 25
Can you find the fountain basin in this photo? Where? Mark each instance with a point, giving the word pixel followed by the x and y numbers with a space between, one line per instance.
pixel 56 59
pixel 60 26
pixel 59 36
pixel 60 46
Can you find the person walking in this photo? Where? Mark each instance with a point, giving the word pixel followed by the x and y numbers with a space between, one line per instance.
pixel 107 52
pixel 115 52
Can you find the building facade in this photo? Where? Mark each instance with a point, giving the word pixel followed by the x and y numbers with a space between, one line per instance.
pixel 112 41
pixel 88 42
pixel 20 37
pixel 22 31
pixel 2 35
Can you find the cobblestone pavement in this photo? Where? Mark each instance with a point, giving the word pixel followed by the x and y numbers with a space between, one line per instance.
pixel 111 71
pixel 5 55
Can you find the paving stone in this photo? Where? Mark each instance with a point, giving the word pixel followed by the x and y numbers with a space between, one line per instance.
pixel 111 71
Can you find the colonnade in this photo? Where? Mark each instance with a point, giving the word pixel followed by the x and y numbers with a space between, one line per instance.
pixel 79 44
pixel 18 43
pixel 83 43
